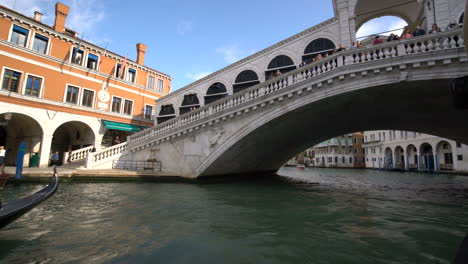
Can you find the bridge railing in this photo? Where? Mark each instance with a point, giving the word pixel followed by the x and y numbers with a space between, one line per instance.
pixel 79 154
pixel 388 50
pixel 106 155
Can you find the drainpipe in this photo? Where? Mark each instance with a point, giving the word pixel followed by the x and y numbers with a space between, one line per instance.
pixel 465 26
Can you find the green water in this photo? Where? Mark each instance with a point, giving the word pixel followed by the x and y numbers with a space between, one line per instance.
pixel 310 216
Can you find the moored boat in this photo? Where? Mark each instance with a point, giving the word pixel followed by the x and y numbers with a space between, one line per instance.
pixel 11 211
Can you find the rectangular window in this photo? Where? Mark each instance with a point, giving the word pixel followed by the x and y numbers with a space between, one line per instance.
pixel 88 98
pixel 92 61
pixel 33 86
pixel 19 35
pixel 350 160
pixel 72 94
pixel 128 107
pixel 40 43
pixel 119 71
pixel 459 145
pixel 77 56
pixel 116 104
pixel 11 80
pixel 160 85
pixel 131 75
pixel 148 111
pixel 150 84
pixel 460 157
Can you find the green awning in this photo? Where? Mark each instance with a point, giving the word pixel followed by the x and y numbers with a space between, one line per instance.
pixel 122 126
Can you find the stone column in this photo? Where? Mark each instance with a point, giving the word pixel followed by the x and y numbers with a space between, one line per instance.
pixel 407 163
pixel 419 163
pixel 442 13
pixel 436 162
pixel 46 144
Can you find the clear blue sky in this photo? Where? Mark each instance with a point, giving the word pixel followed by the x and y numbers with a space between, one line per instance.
pixel 186 39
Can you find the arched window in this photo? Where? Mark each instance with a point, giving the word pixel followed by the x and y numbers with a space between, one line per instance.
pixel 215 92
pixel 462 17
pixel 281 63
pixel 189 103
pixel 245 80
pixel 167 112
pixel 319 46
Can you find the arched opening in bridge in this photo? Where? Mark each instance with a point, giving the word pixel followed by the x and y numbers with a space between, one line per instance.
pixel 444 156
pixel 72 135
pixel 167 112
pixel 386 27
pixel 399 158
pixel 388 161
pixel 412 157
pixel 189 103
pixel 244 80
pixel 280 64
pixel 427 157
pixel 17 128
pixel 215 92
pixel 322 46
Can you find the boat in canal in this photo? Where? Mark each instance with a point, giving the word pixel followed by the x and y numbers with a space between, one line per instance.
pixel 13 210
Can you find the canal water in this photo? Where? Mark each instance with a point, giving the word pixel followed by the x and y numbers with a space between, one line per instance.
pixel 304 216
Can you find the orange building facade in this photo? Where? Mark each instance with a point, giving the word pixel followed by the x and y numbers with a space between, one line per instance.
pixel 59 93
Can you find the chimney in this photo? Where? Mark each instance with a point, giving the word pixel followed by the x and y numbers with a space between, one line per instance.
pixel 37 16
pixel 141 50
pixel 61 13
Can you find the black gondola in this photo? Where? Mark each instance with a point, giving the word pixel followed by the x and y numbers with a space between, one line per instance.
pixel 11 211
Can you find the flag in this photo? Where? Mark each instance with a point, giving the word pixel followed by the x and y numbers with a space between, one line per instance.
pixel 103 56
pixel 77 49
pixel 124 63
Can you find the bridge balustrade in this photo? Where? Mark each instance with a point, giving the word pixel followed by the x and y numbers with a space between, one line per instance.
pixel 389 50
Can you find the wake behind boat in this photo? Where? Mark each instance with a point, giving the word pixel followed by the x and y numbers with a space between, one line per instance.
pixel 11 211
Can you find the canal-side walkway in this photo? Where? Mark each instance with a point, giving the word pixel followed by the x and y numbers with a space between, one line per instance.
pixel 65 172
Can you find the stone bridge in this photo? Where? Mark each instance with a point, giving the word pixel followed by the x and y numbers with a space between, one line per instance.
pixel 404 85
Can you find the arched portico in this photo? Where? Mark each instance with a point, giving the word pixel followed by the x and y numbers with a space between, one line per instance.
pixel 427 157
pixel 444 156
pixel 399 158
pixel 412 158
pixel 72 135
pixel 17 128
pixel 389 163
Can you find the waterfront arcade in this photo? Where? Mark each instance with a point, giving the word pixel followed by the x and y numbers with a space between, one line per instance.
pixel 61 93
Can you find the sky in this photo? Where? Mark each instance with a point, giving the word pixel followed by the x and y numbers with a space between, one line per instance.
pixel 189 39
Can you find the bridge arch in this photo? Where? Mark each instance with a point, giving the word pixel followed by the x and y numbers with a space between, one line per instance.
pixel 245 79
pixel 189 102
pixel 215 92
pixel 317 46
pixel 166 113
pixel 282 63
pixel 366 10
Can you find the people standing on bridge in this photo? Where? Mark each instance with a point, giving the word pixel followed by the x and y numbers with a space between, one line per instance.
pixel 392 37
pixel 419 32
pixel 407 35
pixel 377 40
pixel 434 29
pixel 277 73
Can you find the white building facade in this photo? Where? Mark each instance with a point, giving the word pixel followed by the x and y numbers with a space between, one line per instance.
pixel 404 150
